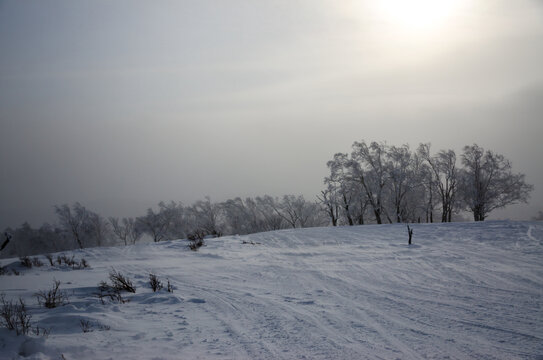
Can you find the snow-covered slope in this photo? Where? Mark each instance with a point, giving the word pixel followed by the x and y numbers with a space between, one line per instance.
pixel 461 291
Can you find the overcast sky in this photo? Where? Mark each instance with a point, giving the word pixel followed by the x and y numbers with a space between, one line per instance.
pixel 121 104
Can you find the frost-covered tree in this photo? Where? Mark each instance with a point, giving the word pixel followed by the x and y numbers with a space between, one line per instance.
pixel 160 224
pixel 97 229
pixel 237 216
pixel 488 182
pixel 126 229
pixel 403 179
pixel 369 170
pixel 340 183
pixel 206 216
pixel 85 226
pixel 445 178
pixel 329 203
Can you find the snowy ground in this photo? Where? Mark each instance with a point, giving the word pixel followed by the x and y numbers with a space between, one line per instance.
pixel 461 291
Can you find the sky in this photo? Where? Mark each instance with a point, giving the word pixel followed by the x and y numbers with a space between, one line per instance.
pixel 122 104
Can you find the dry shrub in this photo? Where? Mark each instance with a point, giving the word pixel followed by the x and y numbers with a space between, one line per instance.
pixel 156 284
pixel 14 316
pixel 52 298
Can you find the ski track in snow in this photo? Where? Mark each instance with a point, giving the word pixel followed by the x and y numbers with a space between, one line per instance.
pixel 461 291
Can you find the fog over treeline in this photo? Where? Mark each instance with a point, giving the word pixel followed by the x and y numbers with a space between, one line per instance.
pixel 119 105
pixel 376 183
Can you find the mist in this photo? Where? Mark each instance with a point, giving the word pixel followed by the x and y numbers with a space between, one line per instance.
pixel 119 105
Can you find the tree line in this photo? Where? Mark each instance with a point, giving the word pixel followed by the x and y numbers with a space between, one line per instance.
pixel 379 183
pixel 375 183
pixel 80 227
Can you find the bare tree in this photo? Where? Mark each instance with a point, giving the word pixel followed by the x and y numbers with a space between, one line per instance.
pixel 206 216
pixel 126 230
pixel 403 178
pixel 340 183
pixel 369 170
pixel 445 178
pixel 488 182
pixel 159 224
pixel 73 220
pixel 328 200
pixel 97 228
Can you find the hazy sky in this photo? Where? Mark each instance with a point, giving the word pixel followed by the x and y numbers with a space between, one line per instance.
pixel 121 104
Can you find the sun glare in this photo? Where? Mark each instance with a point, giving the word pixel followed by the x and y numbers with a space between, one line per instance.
pixel 416 15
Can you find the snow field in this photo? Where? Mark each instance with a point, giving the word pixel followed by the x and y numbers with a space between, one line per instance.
pixel 461 291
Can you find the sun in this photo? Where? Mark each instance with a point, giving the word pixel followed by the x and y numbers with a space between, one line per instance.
pixel 416 15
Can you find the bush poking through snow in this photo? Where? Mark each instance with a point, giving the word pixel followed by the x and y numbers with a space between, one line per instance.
pixel 169 287
pixel 83 264
pixel 112 291
pixel 156 284
pixel 37 262
pixel 49 257
pixel 52 298
pixel 106 291
pixel 26 262
pixel 41 331
pixel 87 326
pixel 14 316
pixel 196 239
pixel 69 261
pixel 121 282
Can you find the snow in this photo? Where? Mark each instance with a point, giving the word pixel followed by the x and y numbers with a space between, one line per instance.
pixel 461 291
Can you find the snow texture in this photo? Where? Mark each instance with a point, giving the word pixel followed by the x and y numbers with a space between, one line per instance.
pixel 461 291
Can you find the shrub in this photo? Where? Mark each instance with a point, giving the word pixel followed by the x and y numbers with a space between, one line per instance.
pixel 70 261
pixel 52 298
pixel 49 257
pixel 121 282
pixel 37 262
pixel 106 291
pixel 169 287
pixel 83 264
pixel 14 316
pixel 26 262
pixel 155 283
pixel 196 239
pixel 87 326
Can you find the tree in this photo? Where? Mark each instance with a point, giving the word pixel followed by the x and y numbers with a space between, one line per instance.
pixel 328 199
pixel 97 228
pixel 126 230
pixel 402 179
pixel 368 169
pixel 73 221
pixel 206 216
pixel 445 178
pixel 159 225
pixel 341 184
pixel 488 182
